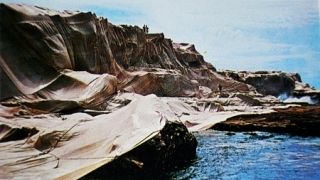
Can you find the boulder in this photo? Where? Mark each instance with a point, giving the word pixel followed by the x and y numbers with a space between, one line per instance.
pixel 171 148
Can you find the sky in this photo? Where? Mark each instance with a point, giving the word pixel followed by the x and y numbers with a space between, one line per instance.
pixel 231 34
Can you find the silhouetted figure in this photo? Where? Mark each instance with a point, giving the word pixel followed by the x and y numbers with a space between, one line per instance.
pixel 220 88
pixel 145 28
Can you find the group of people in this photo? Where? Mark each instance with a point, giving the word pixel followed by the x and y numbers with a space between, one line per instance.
pixel 145 28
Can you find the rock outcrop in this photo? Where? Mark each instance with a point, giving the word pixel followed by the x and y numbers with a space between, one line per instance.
pixel 303 121
pixel 268 83
pixel 173 146
pixel 276 83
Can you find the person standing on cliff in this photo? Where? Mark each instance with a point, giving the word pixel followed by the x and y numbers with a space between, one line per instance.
pixel 145 29
pixel 220 88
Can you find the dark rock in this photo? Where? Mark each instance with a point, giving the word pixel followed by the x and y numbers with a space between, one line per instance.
pixel 313 94
pixel 272 84
pixel 230 133
pixel 251 133
pixel 224 95
pixel 173 147
pixel 303 121
pixel 8 133
pixel 267 82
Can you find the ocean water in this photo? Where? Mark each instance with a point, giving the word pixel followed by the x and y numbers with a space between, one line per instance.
pixel 257 155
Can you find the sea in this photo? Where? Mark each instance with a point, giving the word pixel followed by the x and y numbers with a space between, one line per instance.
pixel 252 155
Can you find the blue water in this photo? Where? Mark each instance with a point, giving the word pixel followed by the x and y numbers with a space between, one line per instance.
pixel 258 155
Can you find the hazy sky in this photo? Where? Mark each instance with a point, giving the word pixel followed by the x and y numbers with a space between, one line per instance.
pixel 231 34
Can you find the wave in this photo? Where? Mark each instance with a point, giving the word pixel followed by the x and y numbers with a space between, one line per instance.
pixel 292 99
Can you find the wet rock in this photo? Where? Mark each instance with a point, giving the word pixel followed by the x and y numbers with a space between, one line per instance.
pixel 304 121
pixel 230 133
pixel 174 146
pixel 314 95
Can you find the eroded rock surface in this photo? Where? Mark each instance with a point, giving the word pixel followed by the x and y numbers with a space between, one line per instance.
pixel 269 83
pixel 304 121
pixel 275 83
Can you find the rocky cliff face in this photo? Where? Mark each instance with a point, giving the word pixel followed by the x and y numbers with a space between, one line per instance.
pixel 268 82
pixel 37 44
pixel 278 84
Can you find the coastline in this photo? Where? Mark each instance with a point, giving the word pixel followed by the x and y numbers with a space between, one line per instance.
pixel 78 93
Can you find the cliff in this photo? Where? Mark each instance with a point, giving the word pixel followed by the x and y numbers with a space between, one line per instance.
pixel 39 45
pixel 275 83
